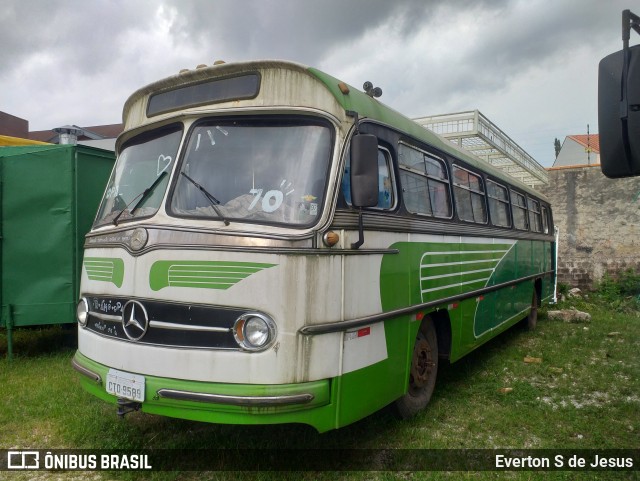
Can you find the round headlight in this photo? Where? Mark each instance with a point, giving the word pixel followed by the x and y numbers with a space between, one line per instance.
pixel 254 331
pixel 82 312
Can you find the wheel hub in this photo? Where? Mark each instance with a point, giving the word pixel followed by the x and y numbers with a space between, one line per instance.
pixel 421 364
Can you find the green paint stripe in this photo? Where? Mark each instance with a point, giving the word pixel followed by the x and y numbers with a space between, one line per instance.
pixel 431 284
pixel 430 270
pixel 215 268
pixel 202 280
pixel 204 285
pixel 467 253
pixel 196 275
pixel 454 246
pixel 455 258
pixel 446 291
pixel 93 268
pixel 459 276
pixel 441 293
pixel 216 264
pixel 105 269
pixel 100 269
pixel 108 262
pixel 99 278
pixel 475 276
pixel 201 274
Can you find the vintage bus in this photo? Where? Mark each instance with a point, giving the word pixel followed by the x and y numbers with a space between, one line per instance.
pixel 276 246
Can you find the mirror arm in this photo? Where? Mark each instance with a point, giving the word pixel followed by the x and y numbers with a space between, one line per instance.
pixel 356 245
pixel 360 241
pixel 356 120
pixel 629 21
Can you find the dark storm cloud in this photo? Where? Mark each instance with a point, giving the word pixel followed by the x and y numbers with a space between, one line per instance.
pixel 295 30
pixel 301 30
pixel 79 35
pixel 77 61
pixel 544 30
pixel 85 34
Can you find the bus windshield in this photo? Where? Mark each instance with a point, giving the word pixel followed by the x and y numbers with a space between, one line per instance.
pixel 263 171
pixel 140 178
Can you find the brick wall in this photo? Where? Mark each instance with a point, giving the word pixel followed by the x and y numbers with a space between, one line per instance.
pixel 599 221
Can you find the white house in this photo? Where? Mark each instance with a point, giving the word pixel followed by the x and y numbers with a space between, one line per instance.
pixel 579 150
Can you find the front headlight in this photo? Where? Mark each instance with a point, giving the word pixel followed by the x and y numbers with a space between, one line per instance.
pixel 254 331
pixel 82 312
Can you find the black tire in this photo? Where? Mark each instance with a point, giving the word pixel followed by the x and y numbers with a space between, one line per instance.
pixel 422 376
pixel 532 318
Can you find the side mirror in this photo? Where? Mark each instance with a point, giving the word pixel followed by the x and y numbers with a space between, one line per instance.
pixel 364 170
pixel 619 114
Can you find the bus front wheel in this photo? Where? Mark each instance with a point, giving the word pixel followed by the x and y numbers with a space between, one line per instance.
pixel 422 376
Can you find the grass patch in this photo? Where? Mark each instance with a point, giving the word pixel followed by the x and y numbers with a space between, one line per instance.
pixel 583 393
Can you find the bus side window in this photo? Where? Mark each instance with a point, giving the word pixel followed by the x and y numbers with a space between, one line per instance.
pixel 545 220
pixel 386 197
pixel 535 218
pixel 519 206
pixel 425 183
pixel 385 188
pixel 498 204
pixel 469 195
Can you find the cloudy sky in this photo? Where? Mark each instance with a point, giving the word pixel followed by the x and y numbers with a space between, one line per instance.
pixel 530 66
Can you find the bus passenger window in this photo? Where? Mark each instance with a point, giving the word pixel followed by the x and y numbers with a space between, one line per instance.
pixel 415 191
pixel 545 220
pixel 519 206
pixel 469 195
pixel 498 204
pixel 535 218
pixel 425 183
pixel 385 190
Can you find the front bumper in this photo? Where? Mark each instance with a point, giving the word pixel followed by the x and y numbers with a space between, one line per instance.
pixel 308 403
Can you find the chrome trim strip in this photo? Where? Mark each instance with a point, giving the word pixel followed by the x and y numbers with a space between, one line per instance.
pixel 166 346
pixel 363 321
pixel 186 327
pixel 106 317
pixel 419 224
pixel 250 401
pixel 269 250
pixel 290 251
pixel 86 372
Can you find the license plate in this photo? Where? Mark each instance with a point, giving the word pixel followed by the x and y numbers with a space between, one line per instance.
pixel 125 385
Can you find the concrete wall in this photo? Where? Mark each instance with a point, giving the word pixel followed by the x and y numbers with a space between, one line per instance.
pixel 599 221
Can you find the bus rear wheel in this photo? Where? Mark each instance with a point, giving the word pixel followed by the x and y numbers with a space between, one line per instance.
pixel 422 376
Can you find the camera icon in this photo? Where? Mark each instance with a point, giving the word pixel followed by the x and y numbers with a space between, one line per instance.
pixel 23 460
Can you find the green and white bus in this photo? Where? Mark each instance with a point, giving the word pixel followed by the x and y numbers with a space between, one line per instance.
pixel 275 246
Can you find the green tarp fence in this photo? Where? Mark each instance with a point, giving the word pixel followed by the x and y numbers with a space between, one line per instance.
pixel 48 199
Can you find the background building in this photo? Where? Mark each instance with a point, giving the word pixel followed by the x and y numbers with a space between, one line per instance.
pixel 579 150
pixel 100 136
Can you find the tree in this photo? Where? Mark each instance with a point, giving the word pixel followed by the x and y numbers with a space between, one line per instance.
pixel 557 146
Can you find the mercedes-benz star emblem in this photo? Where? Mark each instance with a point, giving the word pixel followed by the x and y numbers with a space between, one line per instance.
pixel 135 320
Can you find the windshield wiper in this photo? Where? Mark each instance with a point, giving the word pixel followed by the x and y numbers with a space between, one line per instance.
pixel 143 196
pixel 212 200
